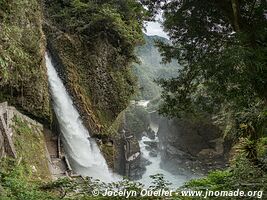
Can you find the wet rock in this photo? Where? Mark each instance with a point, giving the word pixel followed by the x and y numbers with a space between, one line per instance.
pixel 153 153
pixel 199 144
pixel 138 168
pixel 144 162
pixel 151 134
pixel 151 144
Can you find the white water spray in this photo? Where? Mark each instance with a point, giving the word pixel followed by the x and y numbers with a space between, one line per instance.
pixel 81 150
pixel 154 167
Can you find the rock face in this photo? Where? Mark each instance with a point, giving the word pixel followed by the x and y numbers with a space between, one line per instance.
pixel 192 145
pixel 23 77
pixel 95 65
pixel 132 163
pixel 96 70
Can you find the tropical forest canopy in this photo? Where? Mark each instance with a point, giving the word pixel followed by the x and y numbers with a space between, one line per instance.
pixel 222 46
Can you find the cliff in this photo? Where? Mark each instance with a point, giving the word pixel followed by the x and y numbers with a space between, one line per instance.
pixel 92 45
pixel 23 79
pixel 94 51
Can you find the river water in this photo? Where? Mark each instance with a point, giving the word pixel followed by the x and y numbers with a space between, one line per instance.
pixel 155 161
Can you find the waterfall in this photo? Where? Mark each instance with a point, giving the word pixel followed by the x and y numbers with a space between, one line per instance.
pixel 81 150
pixel 154 167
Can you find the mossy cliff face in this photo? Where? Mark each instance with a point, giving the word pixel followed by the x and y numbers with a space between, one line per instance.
pixel 92 45
pixel 100 88
pixel 93 48
pixel 23 79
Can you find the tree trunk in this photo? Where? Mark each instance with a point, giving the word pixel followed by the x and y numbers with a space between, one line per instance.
pixel 235 7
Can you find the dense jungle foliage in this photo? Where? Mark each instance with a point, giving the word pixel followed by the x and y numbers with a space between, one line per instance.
pixel 120 21
pixel 221 47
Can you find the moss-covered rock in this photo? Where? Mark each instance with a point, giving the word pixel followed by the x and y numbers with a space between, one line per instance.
pixel 93 48
pixel 92 45
pixel 23 78
pixel 100 89
pixel 30 145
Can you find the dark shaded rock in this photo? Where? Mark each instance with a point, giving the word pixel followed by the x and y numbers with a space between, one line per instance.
pixel 150 134
pixel 151 144
pixel 138 168
pixel 153 153
pixel 197 146
pixel 144 162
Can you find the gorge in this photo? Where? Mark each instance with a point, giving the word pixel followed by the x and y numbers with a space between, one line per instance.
pixel 89 103
pixel 82 150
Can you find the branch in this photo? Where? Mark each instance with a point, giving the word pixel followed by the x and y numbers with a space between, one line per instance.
pixel 251 12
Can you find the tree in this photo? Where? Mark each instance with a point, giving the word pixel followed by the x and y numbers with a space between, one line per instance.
pixel 222 46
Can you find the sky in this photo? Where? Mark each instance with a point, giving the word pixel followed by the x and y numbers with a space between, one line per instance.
pixel 154 28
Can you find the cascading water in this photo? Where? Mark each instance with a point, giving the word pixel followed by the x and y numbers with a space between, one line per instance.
pixel 81 150
pixel 155 161
pixel 154 167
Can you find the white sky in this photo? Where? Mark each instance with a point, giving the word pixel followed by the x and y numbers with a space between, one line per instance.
pixel 154 28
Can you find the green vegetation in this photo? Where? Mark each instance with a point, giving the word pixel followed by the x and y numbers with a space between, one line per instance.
pixel 20 179
pixel 95 41
pixel 242 174
pixel 119 21
pixel 31 148
pixel 23 80
pixel 16 184
pixel 221 47
pixel 137 119
pixel 151 68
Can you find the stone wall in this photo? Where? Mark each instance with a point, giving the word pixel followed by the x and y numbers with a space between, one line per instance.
pixel 6 143
pixel 7 114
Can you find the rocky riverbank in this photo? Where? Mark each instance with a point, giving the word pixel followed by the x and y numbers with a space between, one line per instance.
pixel 183 146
